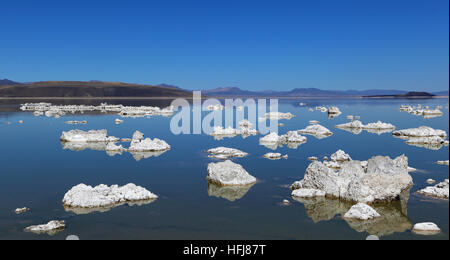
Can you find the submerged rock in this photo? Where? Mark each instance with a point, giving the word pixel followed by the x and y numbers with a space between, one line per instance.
pixel 229 173
pixel 362 211
pixel 225 152
pixel 382 180
pixel 50 228
pixel 426 228
pixel 102 196
pixel 440 190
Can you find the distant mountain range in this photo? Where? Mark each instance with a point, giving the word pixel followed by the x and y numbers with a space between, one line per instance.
pixel 87 89
pixel 306 92
pixel 95 88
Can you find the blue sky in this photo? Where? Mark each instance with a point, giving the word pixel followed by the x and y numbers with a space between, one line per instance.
pixel 254 45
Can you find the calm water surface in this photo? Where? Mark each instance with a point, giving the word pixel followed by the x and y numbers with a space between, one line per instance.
pixel 36 172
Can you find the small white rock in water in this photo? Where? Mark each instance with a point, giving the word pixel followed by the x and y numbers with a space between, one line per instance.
pixel 443 162
pixel 316 130
pixel 225 152
pixel 362 211
pixel 430 181
pixel 273 156
pixel 229 173
pixel 440 190
pixel 372 237
pixel 139 144
pixel 423 131
pixel 73 122
pixel 278 115
pixel 411 169
pixel 89 136
pixel 308 193
pixel 51 226
pixel 334 110
pixel 379 126
pixel 352 124
pixel 426 228
pixel 340 156
pixel 72 237
pixel 21 210
pixel 114 147
pixel 84 196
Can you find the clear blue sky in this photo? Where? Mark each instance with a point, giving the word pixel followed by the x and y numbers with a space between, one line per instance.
pixel 361 44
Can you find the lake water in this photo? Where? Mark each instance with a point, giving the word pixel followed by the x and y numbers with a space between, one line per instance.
pixel 36 172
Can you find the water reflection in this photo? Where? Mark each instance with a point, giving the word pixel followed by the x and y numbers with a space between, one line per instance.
pixel 231 193
pixel 101 146
pixel 394 216
pixel 84 211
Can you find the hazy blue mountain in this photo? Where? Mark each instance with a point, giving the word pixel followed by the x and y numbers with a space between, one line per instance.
pixel 299 92
pixel 441 93
pixel 5 82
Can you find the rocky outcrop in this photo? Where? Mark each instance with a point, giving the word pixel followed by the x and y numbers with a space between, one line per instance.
pixel 382 180
pixel 103 196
